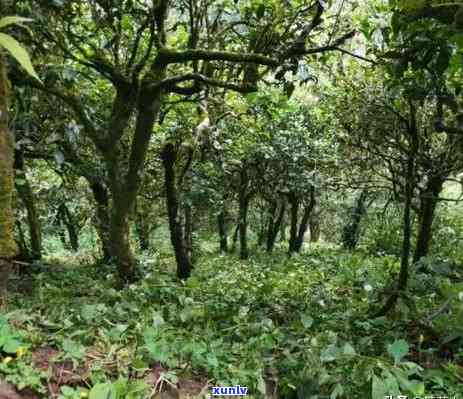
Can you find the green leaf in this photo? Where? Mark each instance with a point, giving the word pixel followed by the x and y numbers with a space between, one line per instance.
pixel 261 385
pixel 398 349
pixel 306 320
pixel 103 391
pixel 13 20
pixel 378 388
pixel 417 388
pixel 89 312
pixel 330 353
pixel 158 320
pixel 11 345
pixel 19 53
pixel 338 391
pixel 348 349
pixel 73 349
pixel 212 360
pixel 159 351
pixel 68 391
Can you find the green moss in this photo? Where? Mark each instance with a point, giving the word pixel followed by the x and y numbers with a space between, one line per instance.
pixel 7 243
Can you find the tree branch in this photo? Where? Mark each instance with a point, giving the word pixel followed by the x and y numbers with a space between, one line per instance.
pixel 170 84
pixel 170 56
pixel 356 55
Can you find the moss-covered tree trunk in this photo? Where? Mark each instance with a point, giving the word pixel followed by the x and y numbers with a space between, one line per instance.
pixel 222 226
pixel 428 202
pixel 28 199
pixel 410 184
pixel 274 225
pixel 142 224
pixel 124 187
pixel 263 225
pixel 8 246
pixel 235 237
pixel 283 227
pixel 100 194
pixel 314 225
pixel 243 202
pixel 189 229
pixel 177 234
pixel 351 231
pixel 294 212
pixel 304 224
pixel 68 221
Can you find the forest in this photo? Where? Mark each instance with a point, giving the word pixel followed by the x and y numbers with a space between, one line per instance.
pixel 213 198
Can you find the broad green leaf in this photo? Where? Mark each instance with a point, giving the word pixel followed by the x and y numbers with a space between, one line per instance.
pixel 306 320
pixel 378 388
pixel 13 20
pixel 212 360
pixel 398 349
pixel 158 320
pixel 103 391
pixel 67 391
pixel 338 391
pixel 11 345
pixel 159 350
pixel 417 388
pixel 261 385
pixel 330 353
pixel 348 349
pixel 18 53
pixel 73 349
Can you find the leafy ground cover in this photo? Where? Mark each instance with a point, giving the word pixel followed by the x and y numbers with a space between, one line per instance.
pixel 283 327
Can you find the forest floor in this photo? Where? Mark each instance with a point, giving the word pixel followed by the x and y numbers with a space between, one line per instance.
pixel 283 327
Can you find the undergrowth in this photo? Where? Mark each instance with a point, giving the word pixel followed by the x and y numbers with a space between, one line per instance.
pixel 296 327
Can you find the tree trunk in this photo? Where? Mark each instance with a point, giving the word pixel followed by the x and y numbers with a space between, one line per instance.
pixel 407 225
pixel 121 250
pixel 68 221
pixel 189 232
pixel 314 225
pixel 272 214
pixel 8 247
pixel 235 237
pixel 100 194
pixel 428 202
pixel 351 232
pixel 28 199
pixel 177 237
pixel 243 214
pixel 24 254
pixel 61 233
pixel 305 221
pixel 5 270
pixel 263 227
pixel 283 228
pixel 294 201
pixel 222 231
pixel 124 187
pixel 142 226
pixel 143 233
pixel 275 226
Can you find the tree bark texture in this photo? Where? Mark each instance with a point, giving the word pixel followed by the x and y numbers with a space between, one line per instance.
pixel 8 247
pixel 351 232
pixel 243 214
pixel 428 202
pixel 169 156
pixel 28 199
